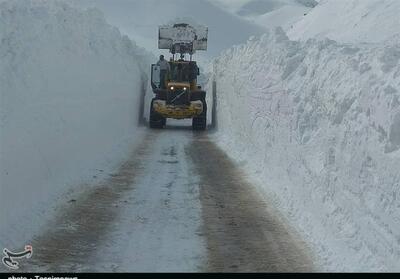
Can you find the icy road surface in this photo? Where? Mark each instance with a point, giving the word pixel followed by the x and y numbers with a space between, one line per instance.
pixel 178 204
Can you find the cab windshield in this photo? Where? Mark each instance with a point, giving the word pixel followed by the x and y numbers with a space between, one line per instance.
pixel 180 72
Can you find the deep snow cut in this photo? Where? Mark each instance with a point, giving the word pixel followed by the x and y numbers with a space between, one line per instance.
pixel 71 88
pixel 317 124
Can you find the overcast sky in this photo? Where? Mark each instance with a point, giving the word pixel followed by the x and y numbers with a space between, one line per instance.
pixel 140 20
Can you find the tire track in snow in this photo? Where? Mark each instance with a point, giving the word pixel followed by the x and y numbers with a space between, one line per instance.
pixel 80 227
pixel 243 234
pixel 159 229
pixel 178 204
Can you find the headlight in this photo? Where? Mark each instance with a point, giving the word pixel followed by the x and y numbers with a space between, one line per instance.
pixel 172 88
pixel 184 88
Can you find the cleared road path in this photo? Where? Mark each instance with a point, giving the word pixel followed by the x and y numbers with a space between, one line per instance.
pixel 178 204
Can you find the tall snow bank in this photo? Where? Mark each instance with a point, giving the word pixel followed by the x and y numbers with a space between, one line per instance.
pixel 318 124
pixel 350 21
pixel 70 88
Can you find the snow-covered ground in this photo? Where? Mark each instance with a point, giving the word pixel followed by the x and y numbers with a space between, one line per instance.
pixel 70 88
pixel 350 21
pixel 317 125
pixel 161 221
pixel 268 13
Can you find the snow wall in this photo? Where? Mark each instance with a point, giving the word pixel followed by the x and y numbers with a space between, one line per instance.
pixel 318 124
pixel 70 88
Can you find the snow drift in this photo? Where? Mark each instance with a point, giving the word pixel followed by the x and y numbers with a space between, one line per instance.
pixel 269 13
pixel 350 21
pixel 70 88
pixel 318 123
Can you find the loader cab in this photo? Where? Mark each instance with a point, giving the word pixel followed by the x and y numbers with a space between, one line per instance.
pixel 181 72
pixel 184 71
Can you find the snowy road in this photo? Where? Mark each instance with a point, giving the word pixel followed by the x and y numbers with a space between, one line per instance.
pixel 178 204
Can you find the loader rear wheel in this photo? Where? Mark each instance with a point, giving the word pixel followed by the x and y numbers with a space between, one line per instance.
pixel 199 123
pixel 156 120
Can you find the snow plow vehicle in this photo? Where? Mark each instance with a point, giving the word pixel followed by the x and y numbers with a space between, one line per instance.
pixel 177 94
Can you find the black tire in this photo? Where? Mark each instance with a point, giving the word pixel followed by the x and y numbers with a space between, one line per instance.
pixel 156 120
pixel 199 123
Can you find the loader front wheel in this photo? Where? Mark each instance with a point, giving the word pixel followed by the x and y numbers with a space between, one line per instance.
pixel 156 120
pixel 199 123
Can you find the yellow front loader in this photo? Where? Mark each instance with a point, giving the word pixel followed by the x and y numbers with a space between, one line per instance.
pixel 179 96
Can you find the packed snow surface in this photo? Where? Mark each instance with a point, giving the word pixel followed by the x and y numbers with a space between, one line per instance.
pixel 317 125
pixel 70 88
